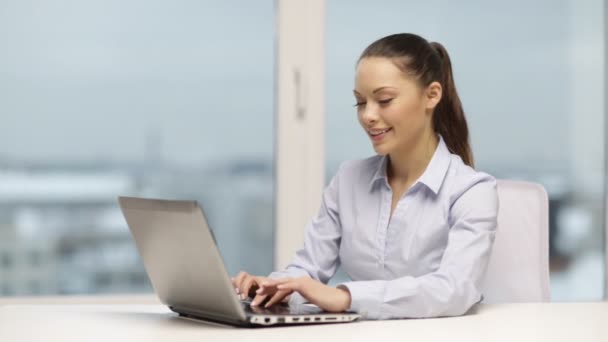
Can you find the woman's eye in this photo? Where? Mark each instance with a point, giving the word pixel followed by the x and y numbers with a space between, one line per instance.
pixel 359 104
pixel 383 102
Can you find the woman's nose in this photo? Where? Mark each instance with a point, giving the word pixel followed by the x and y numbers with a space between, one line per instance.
pixel 369 115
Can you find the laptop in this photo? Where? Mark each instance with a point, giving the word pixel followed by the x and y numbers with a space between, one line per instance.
pixel 187 272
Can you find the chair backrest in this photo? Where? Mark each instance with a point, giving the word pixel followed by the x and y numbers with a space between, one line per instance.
pixel 518 269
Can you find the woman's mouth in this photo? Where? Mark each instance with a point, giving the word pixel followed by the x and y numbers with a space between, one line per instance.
pixel 378 134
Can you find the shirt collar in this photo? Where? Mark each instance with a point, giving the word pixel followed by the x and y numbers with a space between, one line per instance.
pixel 380 172
pixel 433 175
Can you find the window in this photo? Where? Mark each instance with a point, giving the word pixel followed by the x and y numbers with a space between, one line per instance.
pixel 7 261
pixel 107 98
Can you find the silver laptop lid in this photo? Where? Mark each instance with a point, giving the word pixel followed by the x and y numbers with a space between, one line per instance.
pixel 181 258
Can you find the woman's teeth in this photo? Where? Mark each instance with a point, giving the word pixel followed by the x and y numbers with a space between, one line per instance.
pixel 375 132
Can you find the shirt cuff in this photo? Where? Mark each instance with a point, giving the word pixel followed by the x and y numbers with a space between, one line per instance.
pixel 366 297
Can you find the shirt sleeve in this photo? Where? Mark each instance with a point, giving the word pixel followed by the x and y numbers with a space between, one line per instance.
pixel 318 258
pixel 455 287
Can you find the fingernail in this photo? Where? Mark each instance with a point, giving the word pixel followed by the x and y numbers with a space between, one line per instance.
pixel 243 296
pixel 281 287
pixel 237 291
pixel 254 303
pixel 258 290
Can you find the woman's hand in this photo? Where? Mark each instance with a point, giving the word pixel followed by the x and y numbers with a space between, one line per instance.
pixel 326 297
pixel 246 284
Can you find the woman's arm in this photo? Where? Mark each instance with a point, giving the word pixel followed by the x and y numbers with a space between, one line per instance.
pixel 318 258
pixel 455 286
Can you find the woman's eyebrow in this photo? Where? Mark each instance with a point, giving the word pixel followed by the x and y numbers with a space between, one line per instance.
pixel 375 90
pixel 382 88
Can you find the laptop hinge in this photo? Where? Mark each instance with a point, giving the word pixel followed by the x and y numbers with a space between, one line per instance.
pixel 207 315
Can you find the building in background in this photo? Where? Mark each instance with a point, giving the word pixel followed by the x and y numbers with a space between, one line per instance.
pixel 62 231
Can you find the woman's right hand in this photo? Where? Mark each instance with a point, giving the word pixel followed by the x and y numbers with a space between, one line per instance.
pixel 246 285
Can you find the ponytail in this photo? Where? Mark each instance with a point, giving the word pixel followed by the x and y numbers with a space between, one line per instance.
pixel 449 119
pixel 430 62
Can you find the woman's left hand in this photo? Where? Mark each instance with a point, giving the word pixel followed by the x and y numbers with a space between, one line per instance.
pixel 327 298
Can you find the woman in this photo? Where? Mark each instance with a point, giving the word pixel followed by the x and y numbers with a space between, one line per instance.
pixel 413 226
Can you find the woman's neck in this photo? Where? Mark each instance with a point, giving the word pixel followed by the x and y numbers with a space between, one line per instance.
pixel 407 165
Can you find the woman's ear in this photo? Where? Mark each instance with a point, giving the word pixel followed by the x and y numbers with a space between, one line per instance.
pixel 433 95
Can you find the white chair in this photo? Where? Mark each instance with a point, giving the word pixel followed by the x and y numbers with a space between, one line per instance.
pixel 518 269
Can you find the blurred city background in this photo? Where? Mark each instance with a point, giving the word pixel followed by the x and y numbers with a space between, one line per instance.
pixel 176 100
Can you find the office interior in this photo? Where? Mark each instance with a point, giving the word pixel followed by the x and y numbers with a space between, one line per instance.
pixel 179 99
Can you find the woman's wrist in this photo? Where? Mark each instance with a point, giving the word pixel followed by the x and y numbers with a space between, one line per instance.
pixel 346 295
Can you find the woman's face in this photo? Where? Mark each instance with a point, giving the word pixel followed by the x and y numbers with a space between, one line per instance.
pixel 392 108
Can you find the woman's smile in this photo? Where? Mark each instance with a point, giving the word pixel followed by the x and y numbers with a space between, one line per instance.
pixel 377 134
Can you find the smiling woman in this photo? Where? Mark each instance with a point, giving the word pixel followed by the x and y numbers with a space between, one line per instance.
pixel 532 85
pixel 419 188
pixel 429 84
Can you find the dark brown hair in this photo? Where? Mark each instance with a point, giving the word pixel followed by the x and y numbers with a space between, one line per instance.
pixel 430 62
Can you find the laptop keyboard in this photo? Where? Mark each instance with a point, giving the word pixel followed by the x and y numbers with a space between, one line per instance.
pixel 280 309
pixel 261 310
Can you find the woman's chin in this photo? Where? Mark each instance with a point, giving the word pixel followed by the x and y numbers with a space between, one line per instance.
pixel 381 150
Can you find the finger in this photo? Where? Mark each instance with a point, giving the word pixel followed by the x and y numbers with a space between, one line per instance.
pixel 277 297
pixel 290 286
pixel 265 288
pixel 254 287
pixel 240 276
pixel 258 300
pixel 245 285
pixel 273 283
pixel 303 287
pixel 236 281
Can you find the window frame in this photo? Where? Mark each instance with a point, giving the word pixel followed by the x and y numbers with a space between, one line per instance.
pixel 300 122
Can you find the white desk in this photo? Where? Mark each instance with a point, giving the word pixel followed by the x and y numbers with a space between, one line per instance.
pixel 571 322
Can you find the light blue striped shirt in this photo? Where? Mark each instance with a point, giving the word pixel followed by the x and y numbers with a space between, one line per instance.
pixel 428 260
